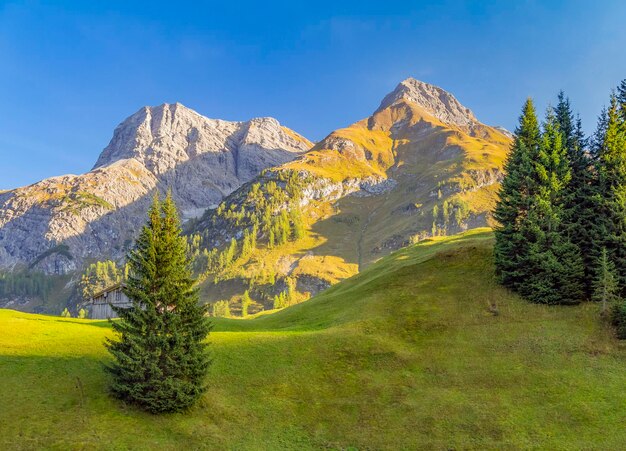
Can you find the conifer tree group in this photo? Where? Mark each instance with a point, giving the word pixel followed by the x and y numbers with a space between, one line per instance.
pixel 561 237
pixel 160 357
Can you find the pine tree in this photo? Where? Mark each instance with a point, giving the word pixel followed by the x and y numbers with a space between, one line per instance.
pixel 246 247
pixel 511 247
pixel 298 224
pixel 621 100
pixel 160 359
pixel 280 300
pixel 230 253
pixel 245 303
pixel 290 294
pixel 580 209
pixel 253 236
pixel 605 286
pixel 221 309
pixel 554 265
pixel 446 213
pixel 277 303
pixel 610 145
pixel 533 253
pixel 98 276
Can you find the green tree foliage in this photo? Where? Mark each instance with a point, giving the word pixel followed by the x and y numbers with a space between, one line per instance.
pixel 272 240
pixel 291 289
pixel 82 313
pixel 460 211
pixel 288 296
pixel 268 214
pixel 434 228
pixel 605 285
pixel 66 313
pixel 280 300
pixel 26 284
pixel 581 193
pixel 298 223
pixel 221 309
pixel 231 253
pixel 282 228
pixel 610 146
pixel 445 211
pixel 247 245
pixel 519 184
pixel 245 303
pixel 555 266
pixel 160 358
pixel 534 255
pixel 99 276
pixel 562 210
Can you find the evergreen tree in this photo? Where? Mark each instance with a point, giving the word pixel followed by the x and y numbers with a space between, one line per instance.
pixel 280 300
pixel 605 286
pixel 271 239
pixel 446 213
pixel 221 309
pixel 554 264
pixel 298 224
pixel 533 253
pixel 99 276
pixel 610 144
pixel 230 253
pixel 245 303
pixel 246 247
pixel 511 247
pixel 253 235
pixel 160 359
pixel 580 209
pixel 621 100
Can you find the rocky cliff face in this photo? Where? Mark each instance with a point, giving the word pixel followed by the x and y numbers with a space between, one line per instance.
pixel 439 103
pixel 58 223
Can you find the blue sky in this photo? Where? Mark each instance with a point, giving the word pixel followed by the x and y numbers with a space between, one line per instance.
pixel 71 71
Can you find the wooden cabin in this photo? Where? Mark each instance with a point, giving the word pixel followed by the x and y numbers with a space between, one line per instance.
pixel 102 301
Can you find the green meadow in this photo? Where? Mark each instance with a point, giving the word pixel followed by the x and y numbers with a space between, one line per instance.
pixel 422 350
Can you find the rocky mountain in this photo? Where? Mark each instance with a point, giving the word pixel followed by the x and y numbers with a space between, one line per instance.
pixel 58 224
pixel 421 165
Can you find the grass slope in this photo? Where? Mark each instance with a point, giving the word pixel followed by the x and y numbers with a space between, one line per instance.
pixel 405 355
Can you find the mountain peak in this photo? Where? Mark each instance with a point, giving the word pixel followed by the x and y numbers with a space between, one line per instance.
pixel 435 100
pixel 162 136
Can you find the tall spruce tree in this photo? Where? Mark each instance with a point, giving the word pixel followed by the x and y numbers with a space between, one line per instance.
pixel 533 254
pixel 580 196
pixel 621 99
pixel 553 262
pixel 511 211
pixel 610 143
pixel 605 285
pixel 160 358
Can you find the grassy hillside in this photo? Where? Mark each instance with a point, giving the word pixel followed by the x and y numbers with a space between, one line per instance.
pixel 406 355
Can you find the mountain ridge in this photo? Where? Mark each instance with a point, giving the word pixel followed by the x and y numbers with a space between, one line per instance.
pixel 166 147
pixel 396 177
pixel 420 165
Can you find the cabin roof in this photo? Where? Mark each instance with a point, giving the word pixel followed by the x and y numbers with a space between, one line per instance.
pixel 109 289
